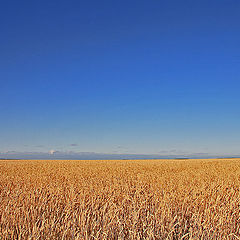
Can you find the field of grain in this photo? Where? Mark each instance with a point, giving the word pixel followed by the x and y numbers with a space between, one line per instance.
pixel 140 199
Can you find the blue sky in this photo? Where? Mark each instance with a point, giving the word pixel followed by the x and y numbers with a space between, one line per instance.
pixel 144 77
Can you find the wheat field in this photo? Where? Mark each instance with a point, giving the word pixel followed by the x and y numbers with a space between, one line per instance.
pixel 120 199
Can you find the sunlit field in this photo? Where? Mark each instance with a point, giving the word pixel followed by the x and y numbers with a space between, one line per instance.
pixel 124 199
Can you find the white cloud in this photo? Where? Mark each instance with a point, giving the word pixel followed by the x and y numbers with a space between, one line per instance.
pixel 52 152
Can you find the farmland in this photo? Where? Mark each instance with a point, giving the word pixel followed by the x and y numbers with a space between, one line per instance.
pixel 120 199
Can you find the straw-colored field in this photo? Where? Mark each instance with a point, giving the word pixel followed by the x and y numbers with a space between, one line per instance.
pixel 143 199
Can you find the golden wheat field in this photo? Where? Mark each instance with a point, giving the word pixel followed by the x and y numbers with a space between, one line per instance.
pixel 123 199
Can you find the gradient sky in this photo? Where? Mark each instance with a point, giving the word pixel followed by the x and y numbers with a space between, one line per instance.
pixel 144 77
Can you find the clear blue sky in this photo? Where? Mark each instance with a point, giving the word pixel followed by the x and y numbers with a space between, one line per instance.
pixel 144 77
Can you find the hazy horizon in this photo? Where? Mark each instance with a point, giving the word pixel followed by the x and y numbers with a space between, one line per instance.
pixel 68 155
